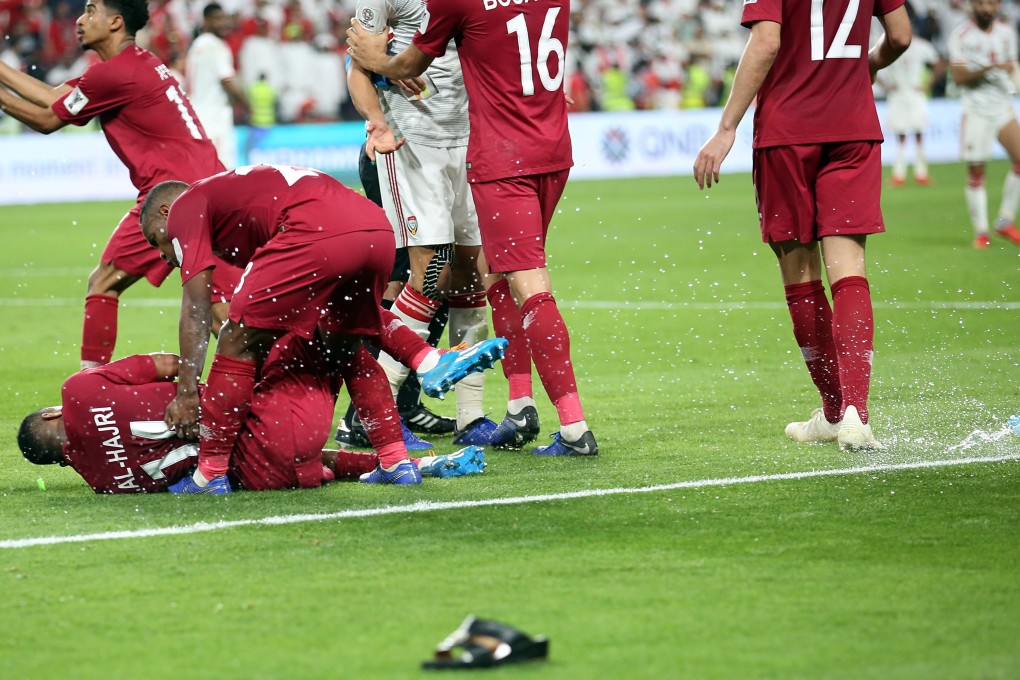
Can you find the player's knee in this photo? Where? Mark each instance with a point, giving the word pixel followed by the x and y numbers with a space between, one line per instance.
pixel 976 174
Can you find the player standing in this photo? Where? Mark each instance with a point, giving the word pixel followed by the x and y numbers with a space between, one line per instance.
pixel 818 180
pixel 213 86
pixel 424 190
pixel 150 126
pixel 316 257
pixel 907 82
pixel 983 63
pixel 518 160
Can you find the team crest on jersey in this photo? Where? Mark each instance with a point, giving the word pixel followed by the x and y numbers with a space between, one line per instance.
pixel 75 101
pixel 412 224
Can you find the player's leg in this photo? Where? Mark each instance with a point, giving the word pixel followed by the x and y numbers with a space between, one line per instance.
pixel 899 171
pixel 127 258
pixel 519 211
pixel 226 401
pixel 1005 222
pixel 976 137
pixel 784 179
pixel 847 188
pixel 920 160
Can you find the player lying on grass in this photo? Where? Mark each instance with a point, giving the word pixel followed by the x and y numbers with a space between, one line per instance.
pixel 109 428
pixel 316 258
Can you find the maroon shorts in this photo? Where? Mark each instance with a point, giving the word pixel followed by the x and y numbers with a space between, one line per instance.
pixel 128 250
pixel 291 416
pixel 808 191
pixel 295 283
pixel 513 217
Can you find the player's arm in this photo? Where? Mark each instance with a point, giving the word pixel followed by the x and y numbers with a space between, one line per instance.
pixel 369 51
pixel 193 331
pixel 29 88
pixel 756 62
pixel 39 118
pixel 167 365
pixel 893 42
pixel 236 94
pixel 363 94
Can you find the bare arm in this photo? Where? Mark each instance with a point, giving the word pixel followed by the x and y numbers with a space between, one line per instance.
pixel 369 51
pixel 39 118
pixel 32 89
pixel 366 101
pixel 196 318
pixel 893 42
pixel 236 94
pixel 755 63
pixel 167 365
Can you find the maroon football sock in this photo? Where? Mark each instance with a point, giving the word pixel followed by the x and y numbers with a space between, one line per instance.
pixel 225 404
pixel 812 327
pixel 370 392
pixel 853 331
pixel 507 322
pixel 400 342
pixel 99 330
pixel 353 464
pixel 550 350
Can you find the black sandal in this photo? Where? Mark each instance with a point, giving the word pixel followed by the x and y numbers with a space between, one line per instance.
pixel 485 644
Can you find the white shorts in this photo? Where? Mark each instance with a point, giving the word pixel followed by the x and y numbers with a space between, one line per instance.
pixel 908 113
pixel 979 130
pixel 426 195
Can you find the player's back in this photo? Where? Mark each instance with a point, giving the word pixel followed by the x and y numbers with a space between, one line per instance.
pixel 105 411
pixel 819 87
pixel 513 58
pixel 148 120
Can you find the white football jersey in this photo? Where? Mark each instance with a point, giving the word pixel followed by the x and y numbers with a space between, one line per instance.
pixel 441 120
pixel 209 63
pixel 977 49
pixel 908 73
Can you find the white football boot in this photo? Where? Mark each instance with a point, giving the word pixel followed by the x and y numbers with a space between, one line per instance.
pixel 854 435
pixel 815 429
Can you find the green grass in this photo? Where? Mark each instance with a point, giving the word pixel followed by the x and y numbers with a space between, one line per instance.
pixel 894 574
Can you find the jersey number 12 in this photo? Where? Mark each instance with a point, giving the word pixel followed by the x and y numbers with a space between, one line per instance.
pixel 547 47
pixel 838 49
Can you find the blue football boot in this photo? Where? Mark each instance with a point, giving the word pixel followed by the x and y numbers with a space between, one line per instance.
pixel 477 433
pixel 405 473
pixel 517 429
pixel 215 487
pixel 467 461
pixel 585 446
pixel 455 365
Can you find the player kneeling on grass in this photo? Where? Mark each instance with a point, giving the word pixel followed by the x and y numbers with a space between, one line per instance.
pixel 316 257
pixel 109 428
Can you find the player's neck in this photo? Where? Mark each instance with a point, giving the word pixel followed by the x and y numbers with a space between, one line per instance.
pixel 111 49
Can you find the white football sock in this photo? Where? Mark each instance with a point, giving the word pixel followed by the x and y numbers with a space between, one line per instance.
pixel 977 206
pixel 470 325
pixel 1010 199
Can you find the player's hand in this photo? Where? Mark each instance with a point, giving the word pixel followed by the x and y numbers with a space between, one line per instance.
pixel 410 86
pixel 362 43
pixel 182 416
pixel 380 139
pixel 710 158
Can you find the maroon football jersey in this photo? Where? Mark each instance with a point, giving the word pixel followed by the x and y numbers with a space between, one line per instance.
pixel 512 55
pixel 112 416
pixel 145 116
pixel 819 88
pixel 228 216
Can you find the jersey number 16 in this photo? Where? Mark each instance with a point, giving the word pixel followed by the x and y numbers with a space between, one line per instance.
pixel 547 47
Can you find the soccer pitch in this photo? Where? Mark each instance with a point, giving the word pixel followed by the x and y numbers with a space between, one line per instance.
pixel 701 542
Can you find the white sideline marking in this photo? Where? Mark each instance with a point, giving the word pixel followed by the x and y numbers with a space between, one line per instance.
pixel 429 506
pixel 624 305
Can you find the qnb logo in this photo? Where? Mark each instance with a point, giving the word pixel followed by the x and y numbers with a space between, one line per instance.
pixel 615 145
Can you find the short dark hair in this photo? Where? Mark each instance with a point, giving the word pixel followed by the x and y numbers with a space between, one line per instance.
pixel 158 195
pixel 210 9
pixel 134 12
pixel 34 441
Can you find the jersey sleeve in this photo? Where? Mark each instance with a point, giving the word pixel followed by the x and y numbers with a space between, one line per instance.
pixel 442 22
pixel 761 10
pixel 224 63
pixel 138 369
pixel 190 232
pixel 957 50
pixel 883 7
pixel 372 15
pixel 101 88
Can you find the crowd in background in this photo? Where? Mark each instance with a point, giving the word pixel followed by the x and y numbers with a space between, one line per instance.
pixel 624 54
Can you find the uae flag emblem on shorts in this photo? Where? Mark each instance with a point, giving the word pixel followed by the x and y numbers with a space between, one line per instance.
pixel 412 224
